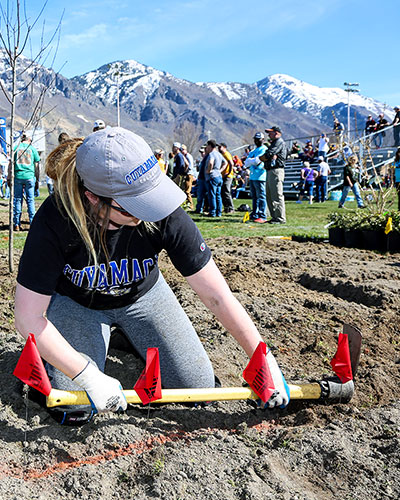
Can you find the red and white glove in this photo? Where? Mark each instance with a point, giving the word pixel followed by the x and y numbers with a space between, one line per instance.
pixel 104 392
pixel 281 395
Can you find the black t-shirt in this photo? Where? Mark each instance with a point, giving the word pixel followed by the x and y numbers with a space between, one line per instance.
pixel 55 258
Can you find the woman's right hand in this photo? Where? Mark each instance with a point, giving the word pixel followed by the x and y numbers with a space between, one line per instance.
pixel 104 392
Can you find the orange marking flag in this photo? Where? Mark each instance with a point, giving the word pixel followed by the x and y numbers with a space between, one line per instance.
pixel 148 385
pixel 258 375
pixel 30 367
pixel 341 363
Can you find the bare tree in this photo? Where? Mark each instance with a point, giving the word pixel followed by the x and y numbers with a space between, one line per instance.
pixel 16 32
pixel 189 134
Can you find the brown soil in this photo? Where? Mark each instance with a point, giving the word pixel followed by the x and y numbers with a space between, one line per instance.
pixel 299 295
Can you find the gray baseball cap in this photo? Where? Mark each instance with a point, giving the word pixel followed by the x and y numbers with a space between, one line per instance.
pixel 118 164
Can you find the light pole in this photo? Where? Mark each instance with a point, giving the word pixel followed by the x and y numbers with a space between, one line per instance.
pixel 117 73
pixel 349 88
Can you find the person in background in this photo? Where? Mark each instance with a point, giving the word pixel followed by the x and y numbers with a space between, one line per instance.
pixel 215 164
pixel 159 154
pixel 381 124
pixel 258 177
pixel 338 128
pixel 308 152
pixel 351 182
pixel 98 125
pixel 63 137
pixel 180 163
pixel 201 194
pixel 117 222
pixel 397 176
pixel 227 178
pixel 4 162
pixel 370 125
pixel 308 176
pixel 26 176
pixel 323 145
pixel 274 162
pixel 170 163
pixel 321 182
pixel 295 151
pixel 346 151
pixel 188 177
pixel 396 127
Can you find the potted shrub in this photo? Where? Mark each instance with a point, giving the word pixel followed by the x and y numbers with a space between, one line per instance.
pixel 368 227
pixel 344 229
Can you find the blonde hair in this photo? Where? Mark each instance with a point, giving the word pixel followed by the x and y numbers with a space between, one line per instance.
pixel 69 192
pixel 69 189
pixel 352 157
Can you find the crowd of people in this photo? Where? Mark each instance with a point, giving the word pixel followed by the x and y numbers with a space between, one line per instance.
pixel 216 176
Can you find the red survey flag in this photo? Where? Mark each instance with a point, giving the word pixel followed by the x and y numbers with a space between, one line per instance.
pixel 341 363
pixel 148 385
pixel 258 375
pixel 30 367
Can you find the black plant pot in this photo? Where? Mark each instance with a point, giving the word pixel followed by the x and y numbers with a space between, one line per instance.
pixel 393 241
pixel 336 236
pixel 353 239
pixel 374 240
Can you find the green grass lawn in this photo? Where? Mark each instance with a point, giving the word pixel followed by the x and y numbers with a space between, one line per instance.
pixel 302 220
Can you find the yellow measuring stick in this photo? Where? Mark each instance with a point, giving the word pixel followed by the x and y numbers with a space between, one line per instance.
pixel 301 391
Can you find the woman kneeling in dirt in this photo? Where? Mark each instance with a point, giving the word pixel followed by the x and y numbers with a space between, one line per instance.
pixel 91 261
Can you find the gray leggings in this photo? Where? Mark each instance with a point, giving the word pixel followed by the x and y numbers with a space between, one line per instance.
pixel 154 320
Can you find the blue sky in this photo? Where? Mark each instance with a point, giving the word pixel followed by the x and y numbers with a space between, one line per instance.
pixel 324 43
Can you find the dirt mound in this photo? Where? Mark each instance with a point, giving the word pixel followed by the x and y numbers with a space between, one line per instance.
pixel 299 295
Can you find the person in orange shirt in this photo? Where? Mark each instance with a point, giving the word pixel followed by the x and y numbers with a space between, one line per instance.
pixel 227 177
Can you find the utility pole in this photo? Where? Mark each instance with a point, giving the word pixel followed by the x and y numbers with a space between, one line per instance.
pixel 117 73
pixel 349 87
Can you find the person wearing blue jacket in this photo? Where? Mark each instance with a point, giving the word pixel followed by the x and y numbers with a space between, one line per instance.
pixel 258 176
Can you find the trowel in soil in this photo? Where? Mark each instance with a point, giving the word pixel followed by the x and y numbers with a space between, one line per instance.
pixel 330 390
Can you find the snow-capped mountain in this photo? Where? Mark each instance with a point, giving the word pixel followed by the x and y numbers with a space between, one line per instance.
pixel 157 105
pixel 226 111
pixel 132 77
pixel 320 102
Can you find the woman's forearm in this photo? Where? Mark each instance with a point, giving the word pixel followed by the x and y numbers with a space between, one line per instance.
pixel 29 318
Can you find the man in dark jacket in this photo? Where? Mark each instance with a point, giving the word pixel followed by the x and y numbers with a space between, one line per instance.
pixel 274 162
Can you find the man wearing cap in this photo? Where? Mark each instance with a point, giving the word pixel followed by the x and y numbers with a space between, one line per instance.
pixel 227 178
pixel 188 176
pixel 98 125
pixel 274 163
pixel 214 165
pixel 370 125
pixel 180 163
pixel 396 127
pixel 257 179
pixel 321 182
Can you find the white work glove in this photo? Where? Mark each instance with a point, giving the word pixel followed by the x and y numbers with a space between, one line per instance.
pixel 252 162
pixel 104 392
pixel 281 395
